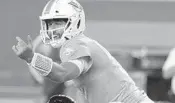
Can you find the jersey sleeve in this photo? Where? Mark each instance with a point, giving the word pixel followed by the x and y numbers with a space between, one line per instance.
pixel 78 53
pixel 83 64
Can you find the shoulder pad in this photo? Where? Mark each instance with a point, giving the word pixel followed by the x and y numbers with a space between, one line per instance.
pixel 74 49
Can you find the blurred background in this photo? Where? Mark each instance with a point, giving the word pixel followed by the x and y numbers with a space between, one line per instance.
pixel 138 33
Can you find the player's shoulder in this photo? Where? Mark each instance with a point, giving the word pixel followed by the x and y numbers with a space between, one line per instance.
pixel 82 39
pixel 77 42
pixel 75 48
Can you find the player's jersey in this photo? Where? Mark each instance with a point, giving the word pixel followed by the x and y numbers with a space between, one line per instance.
pixel 105 78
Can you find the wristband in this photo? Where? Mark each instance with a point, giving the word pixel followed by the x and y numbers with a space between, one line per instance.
pixel 42 64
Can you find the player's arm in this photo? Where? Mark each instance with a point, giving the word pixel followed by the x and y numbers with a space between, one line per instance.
pixel 168 69
pixel 76 59
pixel 69 70
pixel 60 72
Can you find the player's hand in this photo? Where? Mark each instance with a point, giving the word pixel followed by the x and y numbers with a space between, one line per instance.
pixel 24 50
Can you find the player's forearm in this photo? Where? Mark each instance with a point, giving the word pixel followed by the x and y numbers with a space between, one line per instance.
pixel 64 72
pixel 58 73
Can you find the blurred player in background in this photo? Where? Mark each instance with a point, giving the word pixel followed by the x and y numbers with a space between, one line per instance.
pixel 80 59
pixel 168 72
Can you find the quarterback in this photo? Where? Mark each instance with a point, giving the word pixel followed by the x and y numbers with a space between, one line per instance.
pixel 80 59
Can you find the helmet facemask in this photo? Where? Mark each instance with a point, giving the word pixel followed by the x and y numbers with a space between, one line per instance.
pixel 51 35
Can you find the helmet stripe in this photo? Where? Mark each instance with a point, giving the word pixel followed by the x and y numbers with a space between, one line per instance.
pixel 49 6
pixel 75 6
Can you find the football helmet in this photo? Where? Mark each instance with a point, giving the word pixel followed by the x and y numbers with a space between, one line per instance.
pixel 69 10
pixel 61 99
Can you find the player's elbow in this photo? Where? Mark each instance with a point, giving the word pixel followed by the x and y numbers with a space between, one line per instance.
pixel 71 71
pixel 56 77
pixel 65 72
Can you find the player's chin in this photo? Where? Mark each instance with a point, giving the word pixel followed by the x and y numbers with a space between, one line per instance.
pixel 55 45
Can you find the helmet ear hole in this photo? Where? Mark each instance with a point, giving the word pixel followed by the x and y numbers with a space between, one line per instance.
pixel 78 24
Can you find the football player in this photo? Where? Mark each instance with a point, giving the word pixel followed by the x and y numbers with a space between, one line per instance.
pixel 90 67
